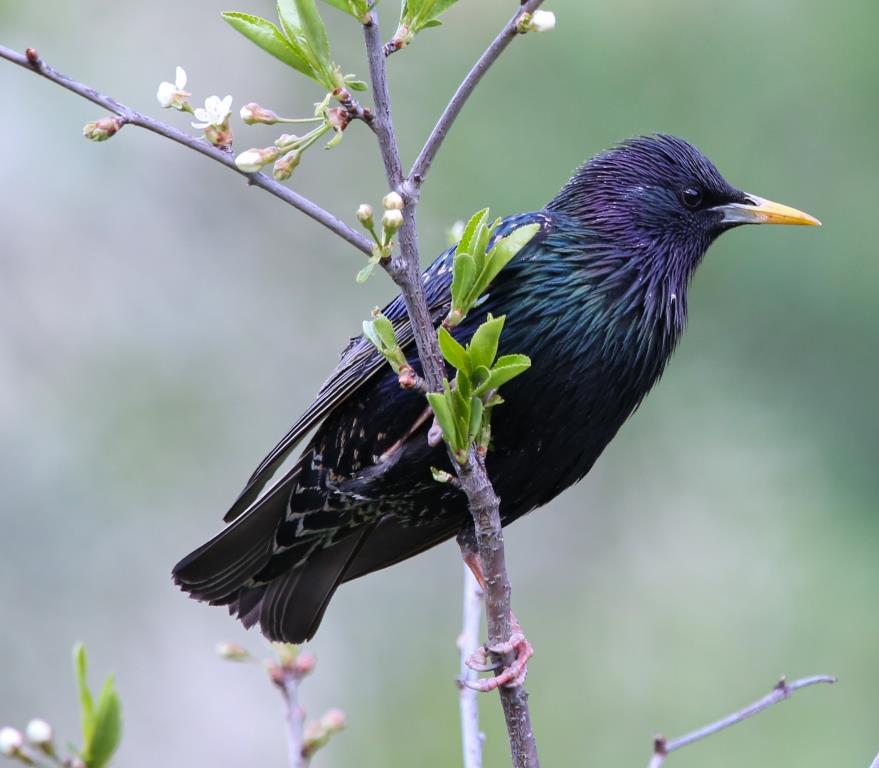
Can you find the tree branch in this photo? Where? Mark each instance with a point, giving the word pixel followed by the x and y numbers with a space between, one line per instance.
pixel 287 680
pixel 468 642
pixel 782 691
pixel 406 272
pixel 32 62
pixel 468 85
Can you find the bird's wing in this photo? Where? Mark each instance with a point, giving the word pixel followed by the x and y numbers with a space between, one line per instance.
pixel 358 364
pixel 360 361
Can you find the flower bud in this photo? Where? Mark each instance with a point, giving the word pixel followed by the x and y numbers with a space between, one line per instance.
pixel 253 113
pixel 285 140
pixel 333 720
pixel 539 21
pixel 11 741
pixel 364 215
pixel 232 652
pixel 392 202
pixel 39 732
pixel 305 663
pixel 284 167
pixel 251 160
pixel 103 129
pixel 392 221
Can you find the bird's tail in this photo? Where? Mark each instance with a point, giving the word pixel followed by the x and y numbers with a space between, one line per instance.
pixel 285 591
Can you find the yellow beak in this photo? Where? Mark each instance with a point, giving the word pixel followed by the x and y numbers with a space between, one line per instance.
pixel 761 211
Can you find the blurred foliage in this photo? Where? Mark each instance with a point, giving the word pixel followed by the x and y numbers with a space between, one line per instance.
pixel 151 304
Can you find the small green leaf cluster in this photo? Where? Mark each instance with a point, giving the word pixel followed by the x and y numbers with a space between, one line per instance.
pixel 473 268
pixel 380 332
pixel 416 15
pixel 463 408
pixel 101 720
pixel 300 42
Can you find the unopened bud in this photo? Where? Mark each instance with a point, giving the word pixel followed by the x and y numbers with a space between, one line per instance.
pixel 305 663
pixel 103 129
pixel 11 741
pixel 285 140
pixel 232 652
pixel 392 221
pixel 251 160
pixel 253 113
pixel 285 166
pixel 539 21
pixel 392 202
pixel 364 215
pixel 39 733
pixel 333 720
pixel 33 57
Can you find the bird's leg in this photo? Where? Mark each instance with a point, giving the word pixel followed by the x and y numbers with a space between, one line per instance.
pixel 488 658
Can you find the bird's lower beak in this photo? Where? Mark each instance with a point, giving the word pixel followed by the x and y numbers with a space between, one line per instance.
pixel 758 210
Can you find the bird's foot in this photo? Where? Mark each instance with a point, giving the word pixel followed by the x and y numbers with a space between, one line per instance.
pixel 511 676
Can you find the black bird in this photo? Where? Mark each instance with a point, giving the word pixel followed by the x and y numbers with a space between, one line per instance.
pixel 597 300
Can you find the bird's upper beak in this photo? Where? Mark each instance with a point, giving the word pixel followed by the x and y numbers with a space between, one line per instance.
pixel 758 210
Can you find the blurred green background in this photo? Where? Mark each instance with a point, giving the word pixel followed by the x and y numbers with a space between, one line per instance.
pixel 163 324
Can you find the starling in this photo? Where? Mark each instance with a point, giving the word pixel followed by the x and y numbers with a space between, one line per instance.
pixel 597 299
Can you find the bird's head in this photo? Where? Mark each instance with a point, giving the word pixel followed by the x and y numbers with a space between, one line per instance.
pixel 660 196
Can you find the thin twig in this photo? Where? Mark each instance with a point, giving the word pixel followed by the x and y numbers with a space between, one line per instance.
pixel 422 164
pixel 287 679
pixel 468 642
pixel 483 502
pixel 33 63
pixel 783 690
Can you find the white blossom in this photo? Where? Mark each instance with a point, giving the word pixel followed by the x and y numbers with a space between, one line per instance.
pixel 172 95
pixel 11 741
pixel 215 112
pixel 39 732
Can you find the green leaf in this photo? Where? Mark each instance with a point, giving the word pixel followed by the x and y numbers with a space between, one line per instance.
pixel 313 28
pixel 463 275
pixel 108 727
pixel 355 85
pixel 465 244
pixel 370 332
pixel 268 37
pixel 506 368
pixel 86 704
pixel 363 274
pixel 479 377
pixel 453 352
pixel 483 345
pixel 385 331
pixel 356 8
pixel 476 408
pixel 504 250
pixel 443 411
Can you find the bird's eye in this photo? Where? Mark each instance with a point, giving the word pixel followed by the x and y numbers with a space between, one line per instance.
pixel 691 197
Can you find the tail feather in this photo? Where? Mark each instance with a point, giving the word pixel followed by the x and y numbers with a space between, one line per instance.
pixel 215 571
pixel 294 603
